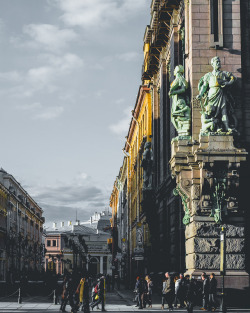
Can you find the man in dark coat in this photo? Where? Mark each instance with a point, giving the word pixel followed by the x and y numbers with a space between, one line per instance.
pixel 181 291
pixel 212 293
pixel 143 289
pixel 191 293
pixel 205 291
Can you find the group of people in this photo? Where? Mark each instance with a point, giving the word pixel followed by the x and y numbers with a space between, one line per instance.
pixel 143 292
pixel 185 291
pixel 179 291
pixel 76 294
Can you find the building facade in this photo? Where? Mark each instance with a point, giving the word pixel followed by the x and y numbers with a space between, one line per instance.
pixel 194 51
pixel 21 230
pixel 77 247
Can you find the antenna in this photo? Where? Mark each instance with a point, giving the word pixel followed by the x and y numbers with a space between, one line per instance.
pixel 76 215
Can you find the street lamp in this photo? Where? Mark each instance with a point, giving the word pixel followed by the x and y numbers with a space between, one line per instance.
pixel 223 267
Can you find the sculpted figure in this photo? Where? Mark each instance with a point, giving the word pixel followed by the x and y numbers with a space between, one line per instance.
pixel 147 163
pixel 181 117
pixel 178 90
pixel 218 103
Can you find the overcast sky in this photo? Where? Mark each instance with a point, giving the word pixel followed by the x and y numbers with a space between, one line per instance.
pixel 69 75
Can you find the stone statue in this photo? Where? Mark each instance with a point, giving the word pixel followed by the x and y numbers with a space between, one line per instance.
pixel 182 117
pixel 208 123
pixel 147 164
pixel 177 91
pixel 217 109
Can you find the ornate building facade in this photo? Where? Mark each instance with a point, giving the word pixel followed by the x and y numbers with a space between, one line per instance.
pixel 196 74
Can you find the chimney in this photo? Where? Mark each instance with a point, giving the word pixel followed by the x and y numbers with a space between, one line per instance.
pixel 69 223
pixel 54 225
pixel 62 224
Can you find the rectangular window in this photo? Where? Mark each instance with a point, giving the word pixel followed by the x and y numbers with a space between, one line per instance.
pixel 48 243
pixel 216 23
pixel 54 243
pixel 214 19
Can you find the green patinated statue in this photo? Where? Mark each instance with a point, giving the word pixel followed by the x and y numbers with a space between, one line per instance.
pixel 180 111
pixel 217 109
pixel 182 117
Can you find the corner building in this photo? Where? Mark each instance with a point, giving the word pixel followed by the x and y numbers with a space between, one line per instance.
pixel 200 179
pixel 190 33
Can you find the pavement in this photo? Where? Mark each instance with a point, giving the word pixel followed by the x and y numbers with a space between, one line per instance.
pixel 116 301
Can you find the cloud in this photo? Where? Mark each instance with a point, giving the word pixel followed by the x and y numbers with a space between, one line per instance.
pixel 60 200
pixel 128 56
pixel 121 126
pixel 49 37
pixel 47 76
pixel 49 113
pixel 11 76
pixel 29 106
pixel 98 13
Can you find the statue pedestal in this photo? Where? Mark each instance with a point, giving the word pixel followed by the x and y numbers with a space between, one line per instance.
pixel 207 177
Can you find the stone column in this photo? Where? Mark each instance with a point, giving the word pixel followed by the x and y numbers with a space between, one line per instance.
pixel 101 264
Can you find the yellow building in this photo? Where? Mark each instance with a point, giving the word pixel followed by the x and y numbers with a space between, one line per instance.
pixel 139 133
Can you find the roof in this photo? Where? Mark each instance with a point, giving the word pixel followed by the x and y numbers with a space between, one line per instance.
pixel 80 229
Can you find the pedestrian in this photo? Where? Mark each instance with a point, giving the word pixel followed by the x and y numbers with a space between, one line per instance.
pixel 83 291
pixel 101 294
pixel 205 291
pixel 136 290
pixel 65 294
pixel 180 291
pixel 143 289
pixel 168 292
pixel 191 293
pixel 149 291
pixel 212 293
pixel 94 294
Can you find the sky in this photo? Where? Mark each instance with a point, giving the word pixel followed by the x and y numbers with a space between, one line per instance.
pixel 70 71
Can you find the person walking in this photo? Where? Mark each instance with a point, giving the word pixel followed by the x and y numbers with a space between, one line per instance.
pixel 205 291
pixel 101 294
pixel 149 291
pixel 83 291
pixel 212 293
pixel 168 292
pixel 136 290
pixel 190 294
pixel 65 294
pixel 180 291
pixel 143 289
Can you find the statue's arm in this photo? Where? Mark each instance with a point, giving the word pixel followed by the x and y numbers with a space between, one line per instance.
pixel 232 79
pixel 202 90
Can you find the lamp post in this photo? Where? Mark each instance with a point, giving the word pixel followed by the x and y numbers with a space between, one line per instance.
pixel 223 267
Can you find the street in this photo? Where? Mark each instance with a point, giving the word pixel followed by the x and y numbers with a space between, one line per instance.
pixel 116 301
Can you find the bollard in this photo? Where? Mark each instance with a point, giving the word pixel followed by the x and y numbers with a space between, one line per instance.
pixel 54 298
pixel 19 296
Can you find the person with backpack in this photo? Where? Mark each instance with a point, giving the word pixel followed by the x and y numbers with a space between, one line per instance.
pixel 168 292
pixel 100 293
